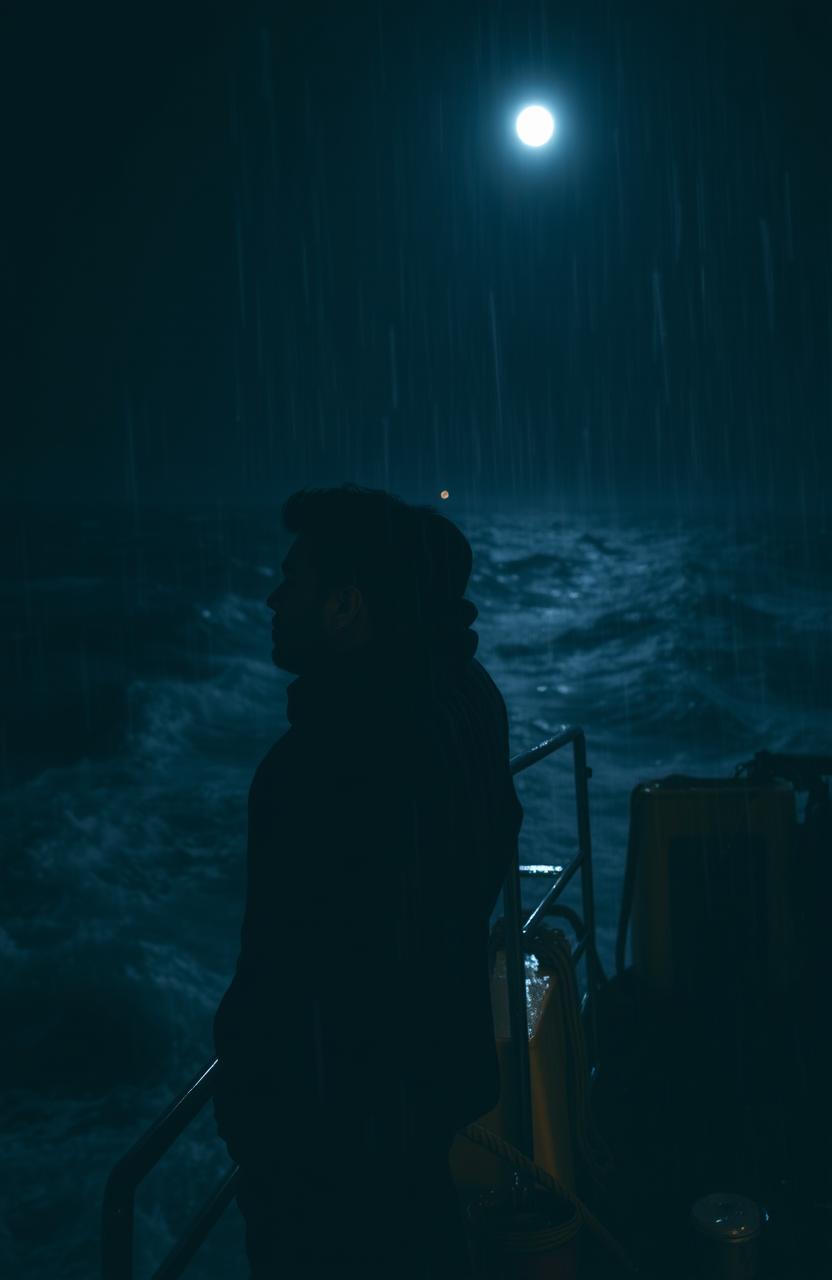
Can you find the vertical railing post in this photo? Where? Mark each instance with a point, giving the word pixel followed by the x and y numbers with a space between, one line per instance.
pixel 582 775
pixel 517 1014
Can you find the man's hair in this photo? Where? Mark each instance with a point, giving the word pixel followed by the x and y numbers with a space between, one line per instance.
pixel 409 562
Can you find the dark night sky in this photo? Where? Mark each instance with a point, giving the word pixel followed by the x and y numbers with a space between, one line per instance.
pixel 246 246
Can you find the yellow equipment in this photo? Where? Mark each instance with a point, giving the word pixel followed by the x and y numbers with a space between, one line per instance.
pixel 563 1130
pixel 474 1165
pixel 709 877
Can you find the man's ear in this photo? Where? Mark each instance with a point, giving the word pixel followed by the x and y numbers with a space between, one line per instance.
pixel 346 607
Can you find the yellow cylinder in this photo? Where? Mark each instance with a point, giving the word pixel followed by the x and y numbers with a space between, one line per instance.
pixel 472 1165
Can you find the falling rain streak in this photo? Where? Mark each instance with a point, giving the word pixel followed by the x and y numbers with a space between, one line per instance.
pixel 280 249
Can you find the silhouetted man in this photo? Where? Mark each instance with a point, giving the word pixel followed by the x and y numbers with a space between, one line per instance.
pixel 356 1036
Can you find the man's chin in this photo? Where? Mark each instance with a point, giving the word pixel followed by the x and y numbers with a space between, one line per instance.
pixel 282 661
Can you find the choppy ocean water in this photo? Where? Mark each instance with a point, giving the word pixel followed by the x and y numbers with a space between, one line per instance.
pixel 142 697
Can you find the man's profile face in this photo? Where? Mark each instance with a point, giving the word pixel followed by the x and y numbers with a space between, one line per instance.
pixel 310 624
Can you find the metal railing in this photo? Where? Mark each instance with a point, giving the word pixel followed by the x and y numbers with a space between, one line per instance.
pixel 517 936
pixel 119 1194
pixel 117 1209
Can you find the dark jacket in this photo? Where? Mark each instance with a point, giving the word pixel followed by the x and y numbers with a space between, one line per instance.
pixel 381 827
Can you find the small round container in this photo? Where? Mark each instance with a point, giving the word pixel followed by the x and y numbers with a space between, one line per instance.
pixel 528 1235
pixel 726 1237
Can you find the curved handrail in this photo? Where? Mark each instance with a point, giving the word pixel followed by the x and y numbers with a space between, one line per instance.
pixel 125 1176
pixel 119 1193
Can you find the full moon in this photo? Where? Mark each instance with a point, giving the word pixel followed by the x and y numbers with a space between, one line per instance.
pixel 535 125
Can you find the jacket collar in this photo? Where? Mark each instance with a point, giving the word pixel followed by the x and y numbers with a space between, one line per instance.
pixel 384 678
pixel 353 678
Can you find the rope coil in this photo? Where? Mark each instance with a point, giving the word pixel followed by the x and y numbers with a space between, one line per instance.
pixel 483 1137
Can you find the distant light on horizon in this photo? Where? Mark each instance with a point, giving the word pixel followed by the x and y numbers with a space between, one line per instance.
pixel 535 126
pixel 444 495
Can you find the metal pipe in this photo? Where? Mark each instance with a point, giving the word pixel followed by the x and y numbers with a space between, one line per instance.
pixel 554 892
pixel 594 972
pixel 182 1252
pixel 517 1011
pixel 117 1207
pixel 574 919
pixel 545 748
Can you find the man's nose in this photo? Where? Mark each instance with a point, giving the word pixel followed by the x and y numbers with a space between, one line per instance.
pixel 271 600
